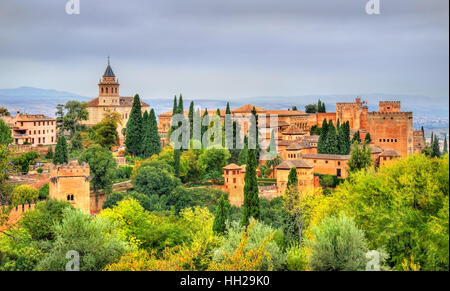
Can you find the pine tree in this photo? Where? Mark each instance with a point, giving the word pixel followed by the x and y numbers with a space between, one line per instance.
pixel 133 139
pixel 445 146
pixel 321 146
pixel 251 206
pixel 191 118
pixel 435 150
pixel 61 153
pixel 221 215
pixel 228 110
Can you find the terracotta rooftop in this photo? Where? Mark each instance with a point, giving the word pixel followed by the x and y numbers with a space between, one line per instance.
pixel 232 167
pixel 285 112
pixel 123 102
pixel 247 109
pixel 311 138
pixel 326 157
pixel 300 163
pixel 295 146
pixel 293 129
pixel 375 149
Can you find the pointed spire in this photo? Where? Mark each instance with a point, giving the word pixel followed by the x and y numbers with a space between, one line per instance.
pixel 109 72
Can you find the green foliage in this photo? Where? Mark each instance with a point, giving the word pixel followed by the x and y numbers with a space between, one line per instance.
pixel 356 137
pixel 251 194
pixel 75 112
pixel 49 154
pixel 275 258
pixel 368 138
pixel 211 162
pixel 360 158
pixel 39 221
pixel 76 142
pixel 106 134
pixel 4 112
pixel 150 180
pixel 339 245
pixel 296 258
pixel 5 133
pixel 133 139
pixel 221 215
pixel 315 130
pixel 23 161
pixel 271 211
pixel 311 108
pixel 24 194
pixel 435 149
pixel 102 165
pixel 44 192
pixel 61 152
pixel 97 241
pixel 17 252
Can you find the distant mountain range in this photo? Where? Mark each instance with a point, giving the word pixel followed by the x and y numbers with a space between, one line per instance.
pixel 36 100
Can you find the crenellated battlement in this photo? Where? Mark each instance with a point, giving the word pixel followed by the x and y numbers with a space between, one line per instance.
pixel 72 169
pixel 389 106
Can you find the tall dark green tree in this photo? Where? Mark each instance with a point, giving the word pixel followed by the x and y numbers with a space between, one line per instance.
pixel 191 118
pixel 145 135
pixel 331 145
pixel 243 153
pixel 155 139
pixel 180 105
pixel 133 139
pixel 368 138
pixel 356 137
pixel 292 178
pixel 321 146
pixel 435 150
pixel 61 155
pixel 445 146
pixel 251 206
pixel 221 215
pixel 292 223
pixel 205 120
pixel 254 128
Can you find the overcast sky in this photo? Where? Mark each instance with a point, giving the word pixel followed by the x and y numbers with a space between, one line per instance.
pixel 231 49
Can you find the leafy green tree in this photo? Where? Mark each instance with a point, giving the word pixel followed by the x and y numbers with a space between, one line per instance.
pixel 360 158
pixel 24 194
pixel 61 152
pixel 75 113
pixel 5 133
pixel 96 240
pixel 311 108
pixel 212 161
pixel 102 165
pixel 251 193
pixel 133 139
pixel 150 180
pixel 39 221
pixel 44 192
pixel 221 215
pixel 23 161
pixel 339 245
pixel 4 112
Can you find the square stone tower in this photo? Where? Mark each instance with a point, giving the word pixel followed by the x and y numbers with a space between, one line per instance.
pixel 70 182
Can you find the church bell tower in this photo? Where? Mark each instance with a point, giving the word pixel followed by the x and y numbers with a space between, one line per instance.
pixel 108 88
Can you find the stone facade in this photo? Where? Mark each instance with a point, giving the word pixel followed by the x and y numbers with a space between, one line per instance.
pixel 234 183
pixel 70 182
pixel 109 99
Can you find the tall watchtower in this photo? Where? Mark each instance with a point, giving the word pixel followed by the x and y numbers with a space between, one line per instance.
pixel 108 88
pixel 70 182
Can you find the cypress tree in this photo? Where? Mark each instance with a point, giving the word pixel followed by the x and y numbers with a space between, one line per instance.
pixel 251 206
pixel 221 215
pixel 321 146
pixel 348 144
pixel 332 141
pixel 61 155
pixel 145 135
pixel 242 159
pixel 155 139
pixel 435 150
pixel 180 105
pixel 253 131
pixel 205 120
pixel 445 146
pixel 368 139
pixel 228 110
pixel 133 139
pixel 191 118
pixel 356 137
pixel 292 178
pixel 176 162
pixel 432 139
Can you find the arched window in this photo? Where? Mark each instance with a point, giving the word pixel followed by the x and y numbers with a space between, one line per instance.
pixel 106 90
pixel 102 90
